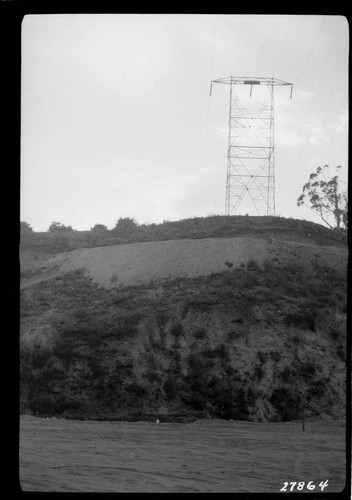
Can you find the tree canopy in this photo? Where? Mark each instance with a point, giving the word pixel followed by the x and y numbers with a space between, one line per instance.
pixel 25 227
pixel 125 224
pixel 57 227
pixel 99 227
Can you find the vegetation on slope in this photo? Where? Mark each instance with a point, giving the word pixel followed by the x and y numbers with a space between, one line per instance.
pixel 255 342
pixel 127 231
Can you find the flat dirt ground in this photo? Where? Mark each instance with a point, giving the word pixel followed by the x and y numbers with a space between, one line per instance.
pixel 202 456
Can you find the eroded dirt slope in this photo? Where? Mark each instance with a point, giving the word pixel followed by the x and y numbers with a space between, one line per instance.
pixel 141 263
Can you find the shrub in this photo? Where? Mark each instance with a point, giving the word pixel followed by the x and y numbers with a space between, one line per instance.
pixel 300 371
pixel 121 298
pixel 236 406
pixel 343 306
pixel 152 376
pixel 177 358
pixel 99 227
pixel 275 356
pixel 294 270
pixel 161 319
pixel 209 353
pixel 64 348
pixel 42 403
pixel 261 356
pixel 170 388
pixel 287 403
pixel 96 369
pixel 229 278
pixel 200 334
pixel 177 330
pixel 198 305
pixel 245 278
pixel 252 266
pixel 125 225
pixel 125 330
pixel 302 318
pixel 296 339
pixel 25 228
pixel 334 332
pixel 269 267
pixel 199 366
pixel 259 372
pixel 135 390
pixel 79 314
pixel 40 357
pixel 341 352
pixel 233 335
pixel 222 351
pixel 57 227
pixel 307 370
pixel 317 388
pixel 287 373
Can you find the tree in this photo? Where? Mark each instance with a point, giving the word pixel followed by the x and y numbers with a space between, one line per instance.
pixel 125 224
pixel 326 197
pixel 99 227
pixel 25 228
pixel 57 227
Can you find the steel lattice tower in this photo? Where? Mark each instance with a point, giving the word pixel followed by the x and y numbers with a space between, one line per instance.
pixel 250 177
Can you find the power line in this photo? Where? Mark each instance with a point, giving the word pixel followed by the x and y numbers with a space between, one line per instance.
pixel 310 51
pixel 306 60
pixel 263 43
pixel 205 140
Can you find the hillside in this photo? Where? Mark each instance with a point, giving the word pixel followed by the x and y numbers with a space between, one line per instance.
pixel 215 226
pixel 249 327
pixel 147 262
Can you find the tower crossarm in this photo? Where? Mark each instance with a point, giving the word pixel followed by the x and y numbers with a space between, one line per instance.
pixel 248 80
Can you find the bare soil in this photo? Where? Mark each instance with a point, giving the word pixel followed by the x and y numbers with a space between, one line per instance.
pixel 145 262
pixel 202 456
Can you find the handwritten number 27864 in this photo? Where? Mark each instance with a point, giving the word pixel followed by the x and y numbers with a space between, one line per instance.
pixel 301 484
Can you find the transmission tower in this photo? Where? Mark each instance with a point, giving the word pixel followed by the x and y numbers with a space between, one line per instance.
pixel 250 180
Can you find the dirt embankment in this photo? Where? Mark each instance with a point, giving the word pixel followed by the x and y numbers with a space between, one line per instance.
pixel 259 342
pixel 142 263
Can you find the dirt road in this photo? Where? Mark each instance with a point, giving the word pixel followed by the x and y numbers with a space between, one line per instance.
pixel 203 456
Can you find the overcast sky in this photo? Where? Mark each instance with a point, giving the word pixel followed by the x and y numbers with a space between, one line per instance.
pixel 117 120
